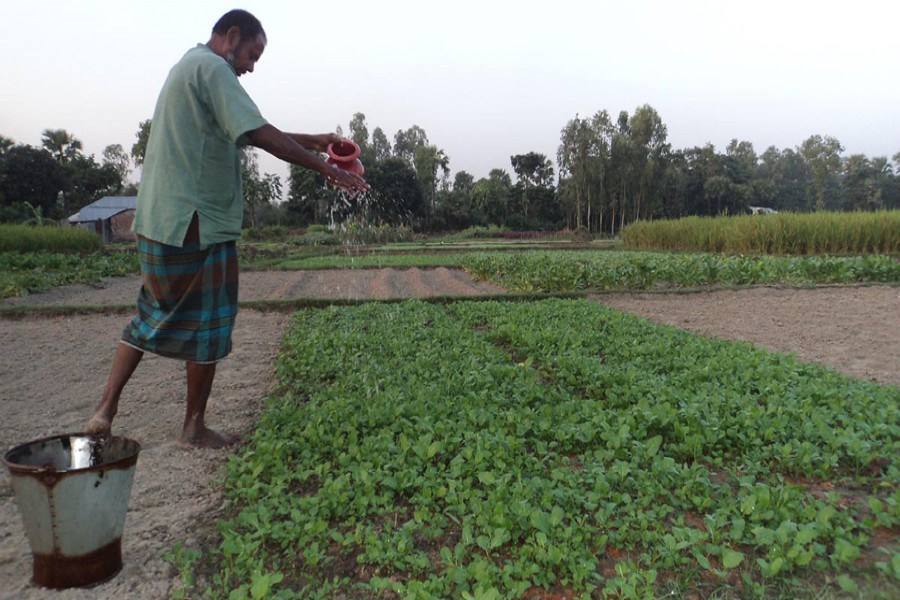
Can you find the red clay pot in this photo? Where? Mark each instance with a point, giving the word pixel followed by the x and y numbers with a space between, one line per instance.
pixel 344 155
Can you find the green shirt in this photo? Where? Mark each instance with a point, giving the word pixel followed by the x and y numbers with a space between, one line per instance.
pixel 193 160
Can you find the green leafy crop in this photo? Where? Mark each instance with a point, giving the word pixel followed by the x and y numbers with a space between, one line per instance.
pixel 33 272
pixel 565 271
pixel 486 450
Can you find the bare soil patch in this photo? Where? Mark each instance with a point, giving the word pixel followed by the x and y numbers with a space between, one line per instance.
pixel 52 372
pixel 855 330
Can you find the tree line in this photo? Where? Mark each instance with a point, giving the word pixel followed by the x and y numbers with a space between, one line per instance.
pixel 611 172
pixel 614 172
pixel 56 179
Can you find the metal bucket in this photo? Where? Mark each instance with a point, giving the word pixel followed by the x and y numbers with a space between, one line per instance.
pixel 73 491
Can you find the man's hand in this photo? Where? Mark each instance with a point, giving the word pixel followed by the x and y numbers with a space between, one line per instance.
pixel 330 138
pixel 346 180
pixel 317 142
pixel 288 148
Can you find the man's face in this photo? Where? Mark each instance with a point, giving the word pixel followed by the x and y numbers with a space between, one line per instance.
pixel 244 57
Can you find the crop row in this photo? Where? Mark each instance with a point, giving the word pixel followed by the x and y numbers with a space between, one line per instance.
pixel 370 261
pixel 485 450
pixel 563 271
pixel 33 272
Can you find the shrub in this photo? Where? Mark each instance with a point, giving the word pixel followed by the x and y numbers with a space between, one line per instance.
pixel 267 234
pixel 315 238
pixel 582 234
pixel 521 235
pixel 478 232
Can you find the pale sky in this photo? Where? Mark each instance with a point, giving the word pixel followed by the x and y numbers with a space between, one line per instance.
pixel 484 79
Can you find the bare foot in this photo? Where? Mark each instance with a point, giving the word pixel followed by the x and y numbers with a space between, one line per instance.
pixel 205 438
pixel 98 426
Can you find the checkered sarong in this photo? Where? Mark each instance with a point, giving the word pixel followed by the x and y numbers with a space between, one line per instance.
pixel 188 300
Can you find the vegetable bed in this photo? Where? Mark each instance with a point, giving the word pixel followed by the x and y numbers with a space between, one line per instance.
pixel 494 450
pixel 564 271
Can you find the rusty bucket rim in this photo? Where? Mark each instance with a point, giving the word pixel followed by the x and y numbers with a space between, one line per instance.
pixel 120 463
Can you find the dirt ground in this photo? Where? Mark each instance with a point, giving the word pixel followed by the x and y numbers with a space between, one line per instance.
pixel 52 372
pixel 855 330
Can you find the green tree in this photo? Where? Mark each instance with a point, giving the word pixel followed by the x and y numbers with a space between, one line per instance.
pixel 381 146
pixel 624 169
pixel 463 182
pixel 359 134
pixel 583 159
pixel 115 157
pixel 86 181
pixel 455 209
pixel 725 196
pixel 396 197
pixel 307 197
pixel 762 193
pixel 139 148
pixel 823 155
pixel 5 145
pixel 863 182
pixel 259 191
pixel 32 175
pixel 674 186
pixel 407 142
pixel 883 176
pixel 741 162
pixel 788 174
pixel 533 170
pixel 65 149
pixel 490 198
pixel 62 145
pixel 649 153
pixel 703 163
pixel 431 164
pixel 891 190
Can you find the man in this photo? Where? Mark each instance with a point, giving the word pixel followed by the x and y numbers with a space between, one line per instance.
pixel 189 215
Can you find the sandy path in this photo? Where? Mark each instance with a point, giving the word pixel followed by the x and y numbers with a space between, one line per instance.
pixel 346 284
pixel 52 372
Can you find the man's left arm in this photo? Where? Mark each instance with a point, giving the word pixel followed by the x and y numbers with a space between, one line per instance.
pixel 284 146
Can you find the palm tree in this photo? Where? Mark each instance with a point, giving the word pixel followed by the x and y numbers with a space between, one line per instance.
pixel 61 144
pixel 428 160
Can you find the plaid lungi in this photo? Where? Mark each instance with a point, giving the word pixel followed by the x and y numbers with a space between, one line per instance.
pixel 188 301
